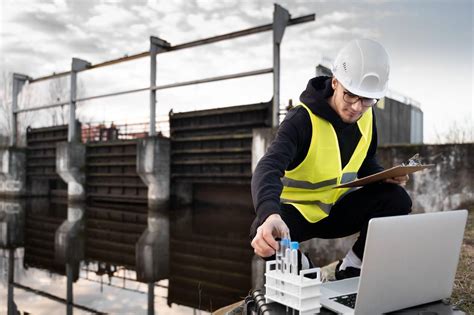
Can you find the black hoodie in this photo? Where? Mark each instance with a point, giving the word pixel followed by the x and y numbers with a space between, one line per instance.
pixel 292 142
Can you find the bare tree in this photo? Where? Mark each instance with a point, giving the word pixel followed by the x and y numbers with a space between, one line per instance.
pixel 24 100
pixel 59 91
pixel 457 132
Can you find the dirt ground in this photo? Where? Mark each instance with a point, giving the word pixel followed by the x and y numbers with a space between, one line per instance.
pixel 463 292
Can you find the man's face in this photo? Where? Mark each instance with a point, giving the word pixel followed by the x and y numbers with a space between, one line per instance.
pixel 349 113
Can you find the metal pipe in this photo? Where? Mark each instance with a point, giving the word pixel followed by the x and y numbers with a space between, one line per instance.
pixel 72 108
pixel 69 289
pixel 214 39
pixel 76 66
pixel 42 107
pixel 17 84
pixel 156 45
pixel 212 79
pixel 55 298
pixel 276 84
pixel 160 87
pixel 153 51
pixel 151 298
pixel 11 269
pixel 280 21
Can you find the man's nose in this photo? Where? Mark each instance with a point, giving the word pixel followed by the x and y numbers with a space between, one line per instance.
pixel 357 105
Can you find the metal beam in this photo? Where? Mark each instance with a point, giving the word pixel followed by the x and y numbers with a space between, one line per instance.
pixel 42 107
pixel 280 20
pixel 18 81
pixel 210 40
pixel 55 298
pixel 156 45
pixel 76 66
pixel 212 79
pixel 159 87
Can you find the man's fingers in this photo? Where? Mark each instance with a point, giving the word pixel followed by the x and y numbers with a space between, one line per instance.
pixel 262 248
pixel 269 239
pixel 400 180
pixel 264 242
pixel 260 245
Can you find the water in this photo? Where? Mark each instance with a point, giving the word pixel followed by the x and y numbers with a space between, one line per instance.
pixel 209 259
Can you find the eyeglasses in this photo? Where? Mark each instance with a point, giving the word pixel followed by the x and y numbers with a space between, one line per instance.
pixel 352 99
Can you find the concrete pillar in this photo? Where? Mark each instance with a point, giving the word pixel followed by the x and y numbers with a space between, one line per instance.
pixel 70 165
pixel 12 222
pixel 12 172
pixel 69 248
pixel 261 140
pixel 69 237
pixel 152 249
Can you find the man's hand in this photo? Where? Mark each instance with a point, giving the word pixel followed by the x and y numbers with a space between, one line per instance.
pixel 400 180
pixel 264 242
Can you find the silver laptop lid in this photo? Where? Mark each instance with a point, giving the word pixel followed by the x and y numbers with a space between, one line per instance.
pixel 409 260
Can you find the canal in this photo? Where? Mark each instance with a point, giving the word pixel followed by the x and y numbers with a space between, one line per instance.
pixel 209 257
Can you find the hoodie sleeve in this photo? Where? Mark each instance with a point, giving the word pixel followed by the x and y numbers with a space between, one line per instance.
pixel 288 145
pixel 370 165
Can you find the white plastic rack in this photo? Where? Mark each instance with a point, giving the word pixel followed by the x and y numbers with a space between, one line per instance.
pixel 293 290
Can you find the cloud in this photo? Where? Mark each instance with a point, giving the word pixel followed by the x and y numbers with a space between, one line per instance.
pixel 337 17
pixel 107 16
pixel 41 22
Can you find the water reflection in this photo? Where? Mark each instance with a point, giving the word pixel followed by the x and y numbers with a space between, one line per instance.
pixel 83 259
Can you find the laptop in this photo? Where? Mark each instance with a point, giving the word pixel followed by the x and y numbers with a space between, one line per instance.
pixel 409 260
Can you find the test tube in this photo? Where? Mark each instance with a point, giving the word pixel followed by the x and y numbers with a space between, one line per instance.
pixel 284 246
pixel 294 257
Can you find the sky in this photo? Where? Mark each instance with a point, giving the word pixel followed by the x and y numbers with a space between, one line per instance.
pixel 430 44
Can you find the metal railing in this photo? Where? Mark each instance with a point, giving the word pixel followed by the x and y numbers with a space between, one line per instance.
pixel 281 19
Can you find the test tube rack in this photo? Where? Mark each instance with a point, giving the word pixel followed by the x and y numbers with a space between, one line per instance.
pixel 293 290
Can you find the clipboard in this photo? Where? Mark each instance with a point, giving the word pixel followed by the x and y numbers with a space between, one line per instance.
pixel 396 171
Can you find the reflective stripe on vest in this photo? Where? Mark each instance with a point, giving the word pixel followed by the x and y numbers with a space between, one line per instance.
pixel 309 186
pixel 346 178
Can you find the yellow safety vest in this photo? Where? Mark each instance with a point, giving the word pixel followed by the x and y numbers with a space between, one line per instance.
pixel 309 186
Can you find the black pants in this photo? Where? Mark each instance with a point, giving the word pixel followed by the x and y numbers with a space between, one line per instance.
pixel 349 215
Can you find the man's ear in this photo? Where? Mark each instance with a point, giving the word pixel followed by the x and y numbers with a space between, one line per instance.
pixel 334 83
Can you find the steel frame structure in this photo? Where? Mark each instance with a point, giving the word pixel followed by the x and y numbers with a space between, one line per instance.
pixel 281 19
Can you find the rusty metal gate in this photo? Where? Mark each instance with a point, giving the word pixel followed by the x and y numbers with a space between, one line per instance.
pixel 214 146
pixel 41 176
pixel 210 254
pixel 116 202
pixel 42 219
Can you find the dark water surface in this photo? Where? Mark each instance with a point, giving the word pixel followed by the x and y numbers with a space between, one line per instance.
pixel 208 249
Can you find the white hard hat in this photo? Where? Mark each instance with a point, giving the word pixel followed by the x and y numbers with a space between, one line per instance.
pixel 362 66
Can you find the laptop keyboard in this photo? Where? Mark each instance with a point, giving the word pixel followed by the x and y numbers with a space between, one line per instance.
pixel 348 300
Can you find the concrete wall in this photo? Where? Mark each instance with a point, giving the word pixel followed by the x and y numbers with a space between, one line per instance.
pixel 449 185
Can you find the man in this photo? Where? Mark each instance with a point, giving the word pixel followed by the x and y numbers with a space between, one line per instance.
pixel 331 138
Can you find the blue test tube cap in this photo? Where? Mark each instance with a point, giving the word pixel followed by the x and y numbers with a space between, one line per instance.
pixel 286 242
pixel 295 245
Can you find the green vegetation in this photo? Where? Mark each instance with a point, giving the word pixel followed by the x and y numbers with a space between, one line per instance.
pixel 463 293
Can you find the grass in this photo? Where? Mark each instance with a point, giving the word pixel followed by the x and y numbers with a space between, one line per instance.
pixel 463 291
